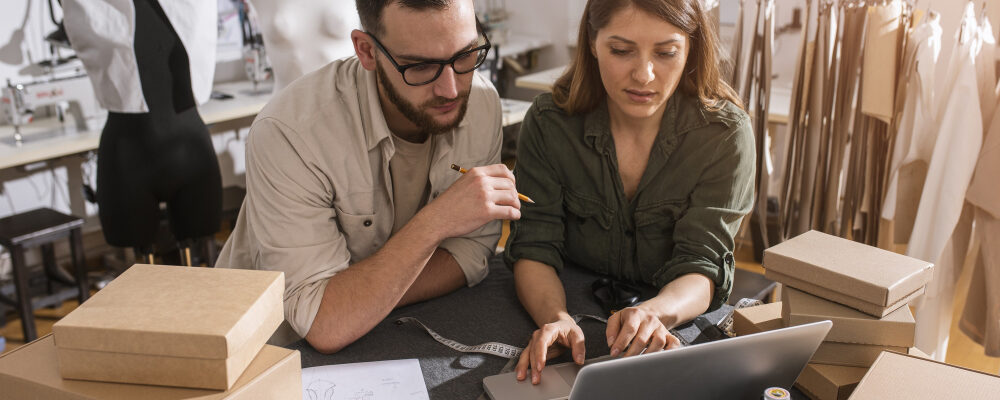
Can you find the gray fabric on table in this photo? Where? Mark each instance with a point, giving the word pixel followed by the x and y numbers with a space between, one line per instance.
pixel 487 312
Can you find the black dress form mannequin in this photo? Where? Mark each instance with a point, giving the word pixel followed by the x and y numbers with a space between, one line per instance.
pixel 165 155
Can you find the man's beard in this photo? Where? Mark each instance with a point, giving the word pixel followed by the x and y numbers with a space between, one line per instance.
pixel 418 114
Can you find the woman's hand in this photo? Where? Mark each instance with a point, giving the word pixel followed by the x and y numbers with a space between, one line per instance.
pixel 545 343
pixel 642 329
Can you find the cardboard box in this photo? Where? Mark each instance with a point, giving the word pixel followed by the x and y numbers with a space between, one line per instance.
pixel 897 376
pixel 849 325
pixel 829 382
pixel 862 277
pixel 30 372
pixel 171 326
pixel 851 355
pixel 762 318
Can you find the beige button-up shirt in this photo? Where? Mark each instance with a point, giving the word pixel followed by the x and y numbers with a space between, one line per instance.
pixel 319 189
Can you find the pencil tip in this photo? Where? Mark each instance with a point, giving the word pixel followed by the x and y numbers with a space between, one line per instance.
pixel 455 167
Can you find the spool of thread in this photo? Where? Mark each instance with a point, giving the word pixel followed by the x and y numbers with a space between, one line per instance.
pixel 776 393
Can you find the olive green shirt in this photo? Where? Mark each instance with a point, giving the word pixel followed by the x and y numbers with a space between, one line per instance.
pixel 697 186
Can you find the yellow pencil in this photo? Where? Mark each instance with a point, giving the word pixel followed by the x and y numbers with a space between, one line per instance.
pixel 519 195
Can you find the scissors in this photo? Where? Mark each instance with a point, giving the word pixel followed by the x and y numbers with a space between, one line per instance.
pixel 614 295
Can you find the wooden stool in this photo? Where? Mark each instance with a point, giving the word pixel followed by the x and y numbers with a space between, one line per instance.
pixel 41 228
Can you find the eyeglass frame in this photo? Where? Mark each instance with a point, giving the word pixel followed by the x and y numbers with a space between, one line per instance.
pixel 440 63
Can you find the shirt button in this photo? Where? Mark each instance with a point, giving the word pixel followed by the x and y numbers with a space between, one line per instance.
pixel 368 222
pixel 729 258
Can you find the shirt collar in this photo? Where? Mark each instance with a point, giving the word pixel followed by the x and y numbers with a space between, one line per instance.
pixel 680 116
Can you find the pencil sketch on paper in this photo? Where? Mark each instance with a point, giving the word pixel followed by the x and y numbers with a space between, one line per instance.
pixel 380 380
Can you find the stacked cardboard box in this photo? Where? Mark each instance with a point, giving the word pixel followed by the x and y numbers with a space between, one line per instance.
pixel 856 339
pixel 197 328
pixel 818 381
pixel 905 377
pixel 31 372
pixel 863 290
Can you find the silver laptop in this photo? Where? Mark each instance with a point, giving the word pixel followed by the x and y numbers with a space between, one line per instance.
pixel 736 368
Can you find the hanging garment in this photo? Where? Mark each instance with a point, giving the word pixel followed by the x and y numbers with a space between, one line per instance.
pixel 853 166
pixel 882 42
pixel 791 175
pixel 819 89
pixel 757 98
pixel 917 128
pixel 942 201
pixel 981 317
pixel 986 70
pixel 102 31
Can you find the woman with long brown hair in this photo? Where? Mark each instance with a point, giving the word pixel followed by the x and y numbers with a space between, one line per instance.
pixel 641 165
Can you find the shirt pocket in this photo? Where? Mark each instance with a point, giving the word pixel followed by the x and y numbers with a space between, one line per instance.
pixel 359 232
pixel 588 228
pixel 357 222
pixel 654 235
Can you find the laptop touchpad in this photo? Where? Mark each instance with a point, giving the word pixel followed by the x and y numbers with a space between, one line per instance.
pixel 568 372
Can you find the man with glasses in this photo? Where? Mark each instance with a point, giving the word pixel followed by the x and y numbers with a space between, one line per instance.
pixel 349 190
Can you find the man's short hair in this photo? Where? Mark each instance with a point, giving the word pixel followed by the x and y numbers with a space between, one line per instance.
pixel 370 11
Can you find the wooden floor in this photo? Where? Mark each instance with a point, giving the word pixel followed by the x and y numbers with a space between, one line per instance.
pixel 962 351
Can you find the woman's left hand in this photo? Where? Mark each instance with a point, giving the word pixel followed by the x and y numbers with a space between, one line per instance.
pixel 635 329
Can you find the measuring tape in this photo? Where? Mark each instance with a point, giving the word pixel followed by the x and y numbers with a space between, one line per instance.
pixel 492 348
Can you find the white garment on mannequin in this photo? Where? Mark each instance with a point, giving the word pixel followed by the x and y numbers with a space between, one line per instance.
pixel 102 34
pixel 942 201
pixel 303 35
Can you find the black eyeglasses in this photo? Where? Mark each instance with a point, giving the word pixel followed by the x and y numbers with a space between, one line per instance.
pixel 422 73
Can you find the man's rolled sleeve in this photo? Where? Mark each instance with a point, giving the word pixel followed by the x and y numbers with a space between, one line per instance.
pixel 704 236
pixel 473 253
pixel 472 250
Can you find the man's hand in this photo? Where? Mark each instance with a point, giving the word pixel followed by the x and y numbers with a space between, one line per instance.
pixel 543 345
pixel 479 196
pixel 642 329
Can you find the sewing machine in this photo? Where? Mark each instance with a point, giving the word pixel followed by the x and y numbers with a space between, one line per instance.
pixel 73 95
pixel 255 62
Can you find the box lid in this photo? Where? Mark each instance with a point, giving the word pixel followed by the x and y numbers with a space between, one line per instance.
pixel 30 371
pixel 861 271
pixel 849 325
pixel 829 382
pixel 837 375
pixel 176 311
pixel 900 376
pixel 762 318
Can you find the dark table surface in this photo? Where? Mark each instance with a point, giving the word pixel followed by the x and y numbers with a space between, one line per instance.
pixel 488 312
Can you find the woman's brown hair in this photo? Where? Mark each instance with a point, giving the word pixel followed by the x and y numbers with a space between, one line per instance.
pixel 580 88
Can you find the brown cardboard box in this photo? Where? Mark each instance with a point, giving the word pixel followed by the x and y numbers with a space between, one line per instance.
pixel 897 376
pixel 30 372
pixel 849 325
pixel 862 277
pixel 849 354
pixel 829 382
pixel 171 326
pixel 762 318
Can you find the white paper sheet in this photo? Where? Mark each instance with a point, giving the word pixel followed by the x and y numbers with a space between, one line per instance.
pixel 379 380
